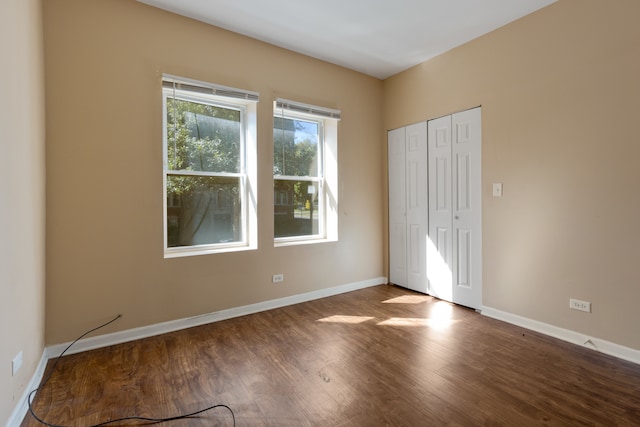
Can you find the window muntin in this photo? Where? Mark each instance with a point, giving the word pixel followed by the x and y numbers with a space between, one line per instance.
pixel 207 203
pixel 305 196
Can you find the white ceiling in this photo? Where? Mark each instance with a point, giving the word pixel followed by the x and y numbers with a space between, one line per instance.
pixel 376 37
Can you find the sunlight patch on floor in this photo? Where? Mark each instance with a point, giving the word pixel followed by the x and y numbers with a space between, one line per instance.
pixel 441 310
pixel 345 319
pixel 407 299
pixel 407 321
pixel 440 317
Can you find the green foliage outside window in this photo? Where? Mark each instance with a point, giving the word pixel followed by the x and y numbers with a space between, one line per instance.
pixel 296 153
pixel 205 140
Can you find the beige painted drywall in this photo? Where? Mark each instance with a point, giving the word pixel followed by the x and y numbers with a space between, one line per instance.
pixel 21 198
pixel 560 96
pixel 104 61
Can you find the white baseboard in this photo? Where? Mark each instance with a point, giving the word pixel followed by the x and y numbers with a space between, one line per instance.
pixel 606 347
pixel 174 325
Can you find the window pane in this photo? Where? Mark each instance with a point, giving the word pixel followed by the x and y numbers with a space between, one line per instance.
pixel 295 147
pixel 202 137
pixel 296 208
pixel 203 210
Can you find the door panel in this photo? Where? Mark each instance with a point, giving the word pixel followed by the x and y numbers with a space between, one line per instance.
pixel 414 249
pixel 397 208
pixel 417 213
pixel 454 260
pixel 467 215
pixel 463 195
pixel 439 240
pixel 442 184
pixel 463 257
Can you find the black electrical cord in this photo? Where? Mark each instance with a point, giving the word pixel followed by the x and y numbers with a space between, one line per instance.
pixel 134 417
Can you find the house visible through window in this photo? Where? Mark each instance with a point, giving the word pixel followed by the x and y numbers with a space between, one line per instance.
pixel 209 141
pixel 305 172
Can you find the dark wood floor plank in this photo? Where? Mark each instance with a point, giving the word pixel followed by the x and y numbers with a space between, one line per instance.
pixel 382 356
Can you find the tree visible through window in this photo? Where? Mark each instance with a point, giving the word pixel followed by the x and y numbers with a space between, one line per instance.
pixel 205 175
pixel 298 179
pixel 299 161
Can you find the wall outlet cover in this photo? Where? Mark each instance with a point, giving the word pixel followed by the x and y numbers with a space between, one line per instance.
pixel 576 304
pixel 16 364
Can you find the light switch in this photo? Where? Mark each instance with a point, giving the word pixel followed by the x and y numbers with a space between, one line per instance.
pixel 497 189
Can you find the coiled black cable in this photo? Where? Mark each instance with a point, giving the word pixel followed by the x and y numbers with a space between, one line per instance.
pixel 117 420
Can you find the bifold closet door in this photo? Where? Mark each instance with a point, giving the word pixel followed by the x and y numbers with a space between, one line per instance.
pixel 408 210
pixel 417 205
pixel 439 257
pixel 397 207
pixel 454 246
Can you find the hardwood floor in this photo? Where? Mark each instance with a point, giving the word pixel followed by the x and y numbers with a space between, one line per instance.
pixel 381 356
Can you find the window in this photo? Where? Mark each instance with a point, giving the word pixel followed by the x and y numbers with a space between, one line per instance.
pixel 305 172
pixel 209 167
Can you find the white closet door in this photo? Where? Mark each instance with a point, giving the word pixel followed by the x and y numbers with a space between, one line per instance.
pixel 454 246
pixel 417 206
pixel 397 208
pixel 467 212
pixel 439 241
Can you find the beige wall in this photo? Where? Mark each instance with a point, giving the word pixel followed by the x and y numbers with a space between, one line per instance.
pixel 560 96
pixel 104 61
pixel 21 197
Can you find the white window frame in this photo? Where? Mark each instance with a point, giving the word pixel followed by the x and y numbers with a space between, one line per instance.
pixel 226 97
pixel 327 180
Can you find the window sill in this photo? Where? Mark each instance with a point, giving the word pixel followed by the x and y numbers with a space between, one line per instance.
pixel 303 241
pixel 206 250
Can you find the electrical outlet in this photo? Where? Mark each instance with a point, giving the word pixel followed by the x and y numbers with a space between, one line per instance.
pixel 576 304
pixel 16 363
pixel 277 278
pixel 497 189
